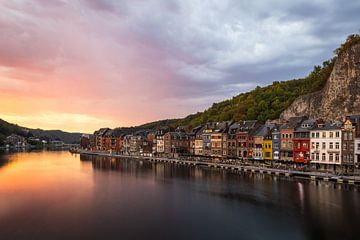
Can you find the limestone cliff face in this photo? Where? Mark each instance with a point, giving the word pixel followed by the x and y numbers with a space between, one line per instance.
pixel 339 97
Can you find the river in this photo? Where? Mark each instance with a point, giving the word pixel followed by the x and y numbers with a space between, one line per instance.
pixel 57 195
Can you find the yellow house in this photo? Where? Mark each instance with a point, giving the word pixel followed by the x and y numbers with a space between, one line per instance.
pixel 267 147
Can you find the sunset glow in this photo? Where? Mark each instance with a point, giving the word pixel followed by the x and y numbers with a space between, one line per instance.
pixel 81 65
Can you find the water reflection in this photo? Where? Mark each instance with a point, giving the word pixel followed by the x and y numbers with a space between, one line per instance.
pixel 56 195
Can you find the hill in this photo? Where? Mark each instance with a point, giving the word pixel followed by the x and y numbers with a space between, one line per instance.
pixel 7 129
pixel 264 103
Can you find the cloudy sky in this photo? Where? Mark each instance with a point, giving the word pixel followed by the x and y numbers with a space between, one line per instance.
pixel 78 65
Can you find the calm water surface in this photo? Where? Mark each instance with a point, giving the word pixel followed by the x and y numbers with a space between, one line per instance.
pixel 56 195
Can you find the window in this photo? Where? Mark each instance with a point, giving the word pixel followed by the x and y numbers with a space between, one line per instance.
pixel 337 157
pixel 337 145
pixel 331 145
pixel 323 145
pixel 317 156
pixel 317 135
pixel 345 135
pixel 317 145
pixel 313 135
pixel 331 157
pixel 312 156
pixel 312 145
pixel 324 134
pixel 358 146
pixel 323 157
pixel 350 136
pixel 344 146
pixel 331 134
pixel 337 134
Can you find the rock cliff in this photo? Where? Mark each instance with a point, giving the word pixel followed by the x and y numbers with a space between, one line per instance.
pixel 339 97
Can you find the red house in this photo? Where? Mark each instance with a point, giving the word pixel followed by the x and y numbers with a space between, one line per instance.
pixel 301 142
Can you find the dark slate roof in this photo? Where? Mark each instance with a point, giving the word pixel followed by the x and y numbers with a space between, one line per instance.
pixel 108 133
pixel 118 132
pixel 293 122
pixel 221 127
pixel 247 126
pixel 302 128
pixel 195 130
pixel 276 129
pixel 354 118
pixel 327 126
pixel 234 128
pixel 179 135
pixel 101 131
pixel 264 130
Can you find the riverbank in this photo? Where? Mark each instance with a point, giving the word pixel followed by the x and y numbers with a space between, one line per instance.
pixel 310 175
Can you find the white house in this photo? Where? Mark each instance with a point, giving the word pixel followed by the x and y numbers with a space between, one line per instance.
pixel 325 145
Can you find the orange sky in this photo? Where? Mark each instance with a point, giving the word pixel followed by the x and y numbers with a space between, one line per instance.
pixel 85 64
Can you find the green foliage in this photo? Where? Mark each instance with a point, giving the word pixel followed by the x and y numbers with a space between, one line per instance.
pixel 350 41
pixel 267 102
pixel 7 129
pixel 262 103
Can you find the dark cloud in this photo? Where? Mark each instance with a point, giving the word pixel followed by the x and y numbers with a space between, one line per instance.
pixel 191 52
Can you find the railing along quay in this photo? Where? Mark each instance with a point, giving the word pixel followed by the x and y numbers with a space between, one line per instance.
pixel 313 176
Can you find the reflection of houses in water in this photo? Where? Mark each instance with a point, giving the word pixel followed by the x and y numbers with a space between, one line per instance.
pixel 117 164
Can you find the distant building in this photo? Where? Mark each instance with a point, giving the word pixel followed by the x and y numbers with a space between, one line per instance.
pixel 85 141
pixel 16 140
pixel 100 139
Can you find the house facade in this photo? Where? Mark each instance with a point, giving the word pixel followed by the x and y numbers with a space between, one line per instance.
pixel 325 146
pixel 232 140
pixel 219 139
pixel 245 138
pixel 176 143
pixel 275 137
pixel 268 147
pixel 199 143
pixel 347 143
pixel 259 136
pixel 301 146
pixel 287 138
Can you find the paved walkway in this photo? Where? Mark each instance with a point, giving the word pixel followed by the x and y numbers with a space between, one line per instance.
pixel 239 167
